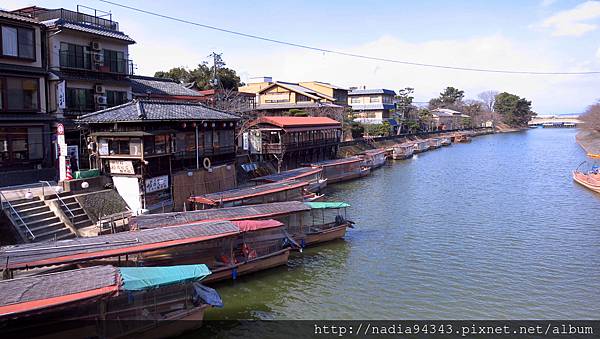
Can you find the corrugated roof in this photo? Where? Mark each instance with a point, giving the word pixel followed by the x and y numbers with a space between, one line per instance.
pixel 291 174
pixel 151 110
pixel 40 287
pixel 82 249
pixel 62 23
pixel 371 91
pixel 226 213
pixel 334 162
pixel 141 85
pixel 247 192
pixel 287 122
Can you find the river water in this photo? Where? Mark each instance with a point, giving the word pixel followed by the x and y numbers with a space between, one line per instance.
pixel 494 229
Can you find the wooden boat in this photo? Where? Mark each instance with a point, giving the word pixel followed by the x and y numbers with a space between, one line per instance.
pixel 446 141
pixel 227 248
pixel 338 170
pixel 308 223
pixel 314 177
pixel 590 180
pixel 403 151
pixel 421 146
pixel 459 137
pixel 98 301
pixel 434 143
pixel 374 158
pixel 286 190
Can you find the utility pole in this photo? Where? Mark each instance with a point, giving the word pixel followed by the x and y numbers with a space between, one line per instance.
pixel 216 82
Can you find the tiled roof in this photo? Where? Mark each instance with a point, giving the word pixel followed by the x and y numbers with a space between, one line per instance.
pixel 371 91
pixel 141 85
pixel 89 29
pixel 40 287
pixel 294 87
pixel 13 16
pixel 153 110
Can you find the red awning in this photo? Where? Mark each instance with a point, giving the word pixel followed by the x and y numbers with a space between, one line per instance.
pixel 255 225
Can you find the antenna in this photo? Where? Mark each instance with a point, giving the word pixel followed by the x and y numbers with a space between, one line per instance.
pixel 217 61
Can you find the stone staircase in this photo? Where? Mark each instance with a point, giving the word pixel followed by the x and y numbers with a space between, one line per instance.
pixel 79 219
pixel 35 216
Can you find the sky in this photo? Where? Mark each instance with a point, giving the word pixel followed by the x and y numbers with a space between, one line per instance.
pixel 536 35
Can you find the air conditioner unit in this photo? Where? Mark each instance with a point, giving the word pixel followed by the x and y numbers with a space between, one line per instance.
pixel 100 100
pixel 98 58
pixel 96 46
pixel 99 88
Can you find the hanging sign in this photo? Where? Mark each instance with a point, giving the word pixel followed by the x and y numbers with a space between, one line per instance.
pixel 157 183
pixel 60 95
pixel 121 167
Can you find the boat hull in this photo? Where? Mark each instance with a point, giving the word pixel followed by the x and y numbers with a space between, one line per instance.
pixel 590 184
pixel 334 233
pixel 272 260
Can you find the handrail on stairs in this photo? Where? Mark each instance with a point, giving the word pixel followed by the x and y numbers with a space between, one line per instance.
pixel 4 200
pixel 59 198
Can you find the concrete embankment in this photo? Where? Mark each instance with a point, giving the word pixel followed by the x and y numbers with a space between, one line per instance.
pixel 589 140
pixel 504 128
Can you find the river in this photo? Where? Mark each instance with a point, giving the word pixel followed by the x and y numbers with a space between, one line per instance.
pixel 494 229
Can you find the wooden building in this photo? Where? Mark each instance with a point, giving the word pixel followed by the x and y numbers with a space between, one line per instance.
pixel 143 144
pixel 291 141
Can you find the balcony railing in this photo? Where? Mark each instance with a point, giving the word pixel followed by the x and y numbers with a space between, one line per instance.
pixel 78 17
pixel 72 60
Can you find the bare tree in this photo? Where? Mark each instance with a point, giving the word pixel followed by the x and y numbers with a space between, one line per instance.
pixel 591 117
pixel 488 98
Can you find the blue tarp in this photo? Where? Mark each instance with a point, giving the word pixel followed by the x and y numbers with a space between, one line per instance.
pixel 326 205
pixel 140 278
pixel 207 295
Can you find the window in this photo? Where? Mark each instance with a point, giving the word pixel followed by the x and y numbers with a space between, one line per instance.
pixel 74 56
pixel 114 61
pixel 19 94
pixel 115 98
pixel 20 144
pixel 18 42
pixel 374 98
pixel 80 99
pixel 160 144
pixel 118 146
pixel 301 98
pixel 355 100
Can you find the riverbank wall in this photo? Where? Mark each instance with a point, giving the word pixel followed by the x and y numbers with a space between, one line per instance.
pixel 589 140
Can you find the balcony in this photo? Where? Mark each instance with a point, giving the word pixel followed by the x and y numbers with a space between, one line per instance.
pixel 85 62
pixel 97 19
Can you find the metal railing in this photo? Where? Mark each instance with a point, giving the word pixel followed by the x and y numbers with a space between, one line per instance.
pixel 3 201
pixel 58 197
pixel 70 59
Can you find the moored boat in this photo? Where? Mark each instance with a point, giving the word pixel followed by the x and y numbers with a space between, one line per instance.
pixel 314 177
pixel 589 179
pixel 98 301
pixel 421 146
pixel 374 158
pixel 402 151
pixel 308 223
pixel 338 170
pixel 434 143
pixel 229 249
pixel 461 137
pixel 446 141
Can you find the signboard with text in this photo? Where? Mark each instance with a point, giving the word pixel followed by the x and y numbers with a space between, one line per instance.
pixel 121 167
pixel 157 184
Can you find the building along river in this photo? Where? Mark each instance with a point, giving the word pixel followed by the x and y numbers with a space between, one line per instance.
pixel 494 229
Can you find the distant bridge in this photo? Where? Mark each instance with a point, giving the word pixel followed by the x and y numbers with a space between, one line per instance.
pixel 571 120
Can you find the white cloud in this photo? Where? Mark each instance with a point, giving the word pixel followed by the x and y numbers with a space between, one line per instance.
pixel 598 54
pixel 572 22
pixel 550 94
pixel 547 3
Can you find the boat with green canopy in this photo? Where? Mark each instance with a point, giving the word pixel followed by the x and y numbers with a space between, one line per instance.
pixel 308 223
pixel 107 302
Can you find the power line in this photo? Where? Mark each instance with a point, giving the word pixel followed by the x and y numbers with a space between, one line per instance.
pixel 324 50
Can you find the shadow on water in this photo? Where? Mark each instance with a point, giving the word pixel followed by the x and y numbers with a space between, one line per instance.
pixel 494 229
